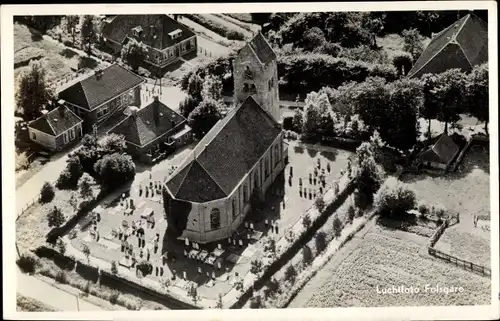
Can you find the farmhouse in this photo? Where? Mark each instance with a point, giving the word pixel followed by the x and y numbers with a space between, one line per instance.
pixel 166 39
pixel 441 154
pixel 153 131
pixel 56 129
pixel 462 45
pixel 208 196
pixel 102 94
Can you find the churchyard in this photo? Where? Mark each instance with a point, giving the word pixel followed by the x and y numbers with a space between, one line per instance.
pixel 131 229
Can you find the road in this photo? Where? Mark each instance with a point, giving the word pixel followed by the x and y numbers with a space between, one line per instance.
pixel 34 288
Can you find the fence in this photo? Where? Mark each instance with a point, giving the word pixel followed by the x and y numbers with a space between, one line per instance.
pixel 27 207
pixel 469 266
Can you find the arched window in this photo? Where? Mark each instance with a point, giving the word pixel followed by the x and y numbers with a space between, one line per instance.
pixel 256 179
pixel 245 193
pixel 215 219
pixel 266 167
pixel 234 208
pixel 276 154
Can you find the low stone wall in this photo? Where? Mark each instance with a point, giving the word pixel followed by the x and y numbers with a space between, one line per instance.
pixel 296 246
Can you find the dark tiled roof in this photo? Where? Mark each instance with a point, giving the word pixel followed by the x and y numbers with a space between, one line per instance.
pixel 120 27
pixel 262 49
pixel 145 126
pixel 226 153
pixel 94 91
pixel 56 121
pixel 442 151
pixel 469 33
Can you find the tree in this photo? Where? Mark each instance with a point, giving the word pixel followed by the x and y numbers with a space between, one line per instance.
pixel 320 241
pixel 256 266
pixel 370 99
pixel 114 169
pixel 261 17
pixel 477 93
pixel 374 25
pixel 256 302
pixel 429 109
pixel 351 213
pixel 312 38
pixel 145 268
pixel 298 121
pixel 403 62
pixel 71 174
pixel 61 246
pixel 307 255
pixel 42 23
pixel 195 87
pixel 85 185
pixel 319 203
pixel 73 201
pixel 114 267
pixel 55 217
pixel 71 23
pixel 337 227
pixel 193 293
pixel 212 88
pixel 204 117
pixel 290 273
pixel 187 106
pixel 134 53
pixel 47 193
pixel 88 32
pixel 306 221
pixel 86 252
pixel 32 94
pixel 112 143
pixel 449 94
pixel 413 42
pixel 394 199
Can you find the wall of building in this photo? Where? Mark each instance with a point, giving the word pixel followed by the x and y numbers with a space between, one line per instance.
pixel 77 134
pixel 42 138
pixel 266 94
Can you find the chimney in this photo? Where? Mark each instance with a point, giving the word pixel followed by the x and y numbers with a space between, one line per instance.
pixel 98 73
pixel 156 110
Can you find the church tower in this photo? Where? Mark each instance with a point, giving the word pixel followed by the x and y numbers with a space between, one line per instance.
pixel 255 73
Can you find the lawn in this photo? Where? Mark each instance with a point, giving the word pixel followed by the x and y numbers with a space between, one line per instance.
pixel 384 259
pixel 245 17
pixel 25 304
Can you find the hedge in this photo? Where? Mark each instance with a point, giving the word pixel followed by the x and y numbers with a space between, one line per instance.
pixel 215 27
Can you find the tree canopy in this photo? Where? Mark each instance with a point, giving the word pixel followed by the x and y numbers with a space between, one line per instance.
pixel 134 53
pixel 204 117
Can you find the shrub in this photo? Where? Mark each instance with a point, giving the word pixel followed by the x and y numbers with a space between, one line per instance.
pixel 320 241
pixel 403 62
pixel 234 35
pixel 188 105
pixel 61 246
pixel 290 273
pixel 272 287
pixel 319 203
pixel 114 170
pixel 351 213
pixel 47 193
pixel 55 217
pixel 256 302
pixel 113 298
pixel 27 262
pixel 306 221
pixel 256 266
pixel 423 209
pixel 337 227
pixel 394 198
pixel 145 267
pixel 62 277
pixel 307 255
pixel 114 267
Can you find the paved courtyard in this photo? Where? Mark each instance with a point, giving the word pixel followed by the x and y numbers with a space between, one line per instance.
pixel 215 268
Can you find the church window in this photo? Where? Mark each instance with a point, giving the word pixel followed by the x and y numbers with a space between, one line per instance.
pixel 215 219
pixel 276 155
pixel 234 208
pixel 266 167
pixel 256 179
pixel 245 193
pixel 245 87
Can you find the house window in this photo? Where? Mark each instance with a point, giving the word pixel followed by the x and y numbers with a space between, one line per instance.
pixel 245 193
pixel 215 219
pixel 271 84
pixel 183 46
pixel 266 167
pixel 276 154
pixel 103 111
pixel 65 137
pixel 71 134
pixel 234 208
pixel 33 135
pixel 188 45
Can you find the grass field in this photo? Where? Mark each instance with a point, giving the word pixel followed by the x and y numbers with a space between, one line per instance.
pixel 245 17
pixel 393 44
pixel 383 259
pixel 25 304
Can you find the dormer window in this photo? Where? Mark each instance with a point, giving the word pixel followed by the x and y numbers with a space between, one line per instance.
pixel 248 73
pixel 175 34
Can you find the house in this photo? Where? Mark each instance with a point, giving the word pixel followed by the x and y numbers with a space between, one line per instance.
pixel 56 129
pixel 103 94
pixel 462 45
pixel 153 131
pixel 440 154
pixel 208 196
pixel 166 39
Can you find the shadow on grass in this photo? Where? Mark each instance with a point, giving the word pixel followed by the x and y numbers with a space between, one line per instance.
pixel 68 53
pixel 330 155
pixel 87 62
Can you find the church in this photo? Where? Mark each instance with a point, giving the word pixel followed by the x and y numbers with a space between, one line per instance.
pixel 208 196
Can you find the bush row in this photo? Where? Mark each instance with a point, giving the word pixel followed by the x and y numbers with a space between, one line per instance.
pixel 215 27
pixel 26 304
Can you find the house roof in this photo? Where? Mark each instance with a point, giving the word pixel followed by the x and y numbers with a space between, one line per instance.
pixel 225 155
pixel 149 123
pixel 155 29
pixel 443 151
pixel 262 49
pixel 94 90
pixel 462 45
pixel 56 121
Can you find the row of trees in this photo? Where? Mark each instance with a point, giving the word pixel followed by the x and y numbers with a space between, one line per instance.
pixel 393 109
